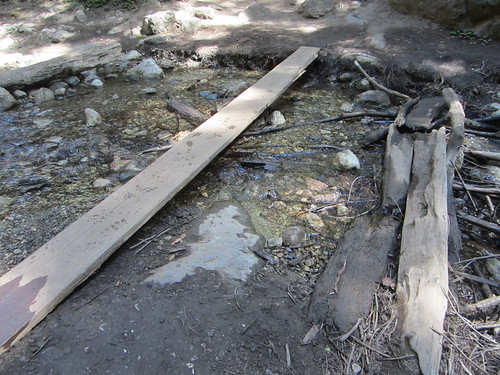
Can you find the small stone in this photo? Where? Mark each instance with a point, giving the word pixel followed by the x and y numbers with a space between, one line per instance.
pixel 313 221
pixel 167 64
pixel 363 85
pixel 275 242
pixel 374 98
pixel 89 75
pixel 346 160
pixel 47 34
pixel 493 267
pixel 147 69
pixel 101 183
pixel 347 77
pixel 293 236
pixel 315 8
pixel 59 85
pixel 237 89
pixel 42 95
pixel 72 81
pixel 81 16
pixel 19 94
pixel 315 184
pixel 93 117
pixel 346 107
pixel 7 101
pixel 276 118
pixel 96 83
pixel 60 92
pixel 342 210
pixel 131 55
pixel 356 368
pixel 61 36
pixel 149 91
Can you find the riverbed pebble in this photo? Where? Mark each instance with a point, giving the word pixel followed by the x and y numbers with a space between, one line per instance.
pixel 7 101
pixel 293 236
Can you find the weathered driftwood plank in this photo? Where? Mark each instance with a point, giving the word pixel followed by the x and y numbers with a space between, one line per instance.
pixel 345 290
pixel 76 61
pixel 422 113
pixel 423 275
pixel 397 168
pixel 457 118
pixel 29 291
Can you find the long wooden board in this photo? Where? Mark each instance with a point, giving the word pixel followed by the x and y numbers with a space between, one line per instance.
pixel 29 291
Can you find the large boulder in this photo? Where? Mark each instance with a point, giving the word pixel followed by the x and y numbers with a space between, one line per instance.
pixel 7 101
pixel 158 23
pixel 147 69
pixel 316 8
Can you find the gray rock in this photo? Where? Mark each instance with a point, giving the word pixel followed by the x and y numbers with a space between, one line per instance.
pixel 72 81
pixel 147 69
pixel 374 98
pixel 81 16
pixel 131 55
pixel 96 83
pixel 293 236
pixel 316 8
pixel 60 92
pixel 158 23
pixel 7 101
pixel 236 90
pixel 187 21
pixel 58 85
pixel 61 36
pixel 363 58
pixel 313 221
pixel 46 35
pixel 346 160
pixel 363 85
pixel 276 118
pixel 254 12
pixel 102 183
pixel 168 64
pixel 93 117
pixel 275 242
pixel 347 77
pixel 149 91
pixel 42 95
pixel 89 75
pixel 19 94
pixel 204 13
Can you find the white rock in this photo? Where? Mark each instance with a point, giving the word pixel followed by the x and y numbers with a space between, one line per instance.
pixel 93 117
pixel 42 95
pixel 19 94
pixel 158 23
pixel 101 182
pixel 276 118
pixel 346 160
pixel 147 69
pixel 97 83
pixel 7 101
pixel 81 16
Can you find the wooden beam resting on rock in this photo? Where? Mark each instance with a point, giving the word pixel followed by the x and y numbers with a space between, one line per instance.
pixel 423 274
pixel 30 290
pixel 77 60
pixel 421 115
pixel 345 290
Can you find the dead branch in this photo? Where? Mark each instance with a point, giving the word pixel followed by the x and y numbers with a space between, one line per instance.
pixel 272 129
pixel 403 111
pixel 477 189
pixel 485 154
pixel 378 85
pixel 480 223
pixel 475 278
pixel 481 306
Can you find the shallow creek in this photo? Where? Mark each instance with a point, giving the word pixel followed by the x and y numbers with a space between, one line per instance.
pixel 53 167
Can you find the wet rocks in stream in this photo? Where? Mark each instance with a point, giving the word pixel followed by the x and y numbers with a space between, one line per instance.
pixel 7 101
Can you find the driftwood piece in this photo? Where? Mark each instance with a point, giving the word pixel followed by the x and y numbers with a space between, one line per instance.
pixel 423 275
pixel 185 111
pixel 377 135
pixel 345 290
pixel 79 59
pixel 492 227
pixel 457 118
pixel 378 85
pixel 403 111
pixel 477 189
pixel 495 156
pixel 397 168
pixel 422 114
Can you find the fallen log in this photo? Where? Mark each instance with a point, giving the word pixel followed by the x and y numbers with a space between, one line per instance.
pixel 397 169
pixel 495 228
pixel 30 290
pixel 79 59
pixel 477 189
pixel 457 118
pixel 345 290
pixel 423 273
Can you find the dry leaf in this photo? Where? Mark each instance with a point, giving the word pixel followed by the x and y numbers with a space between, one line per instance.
pixel 311 335
pixel 178 239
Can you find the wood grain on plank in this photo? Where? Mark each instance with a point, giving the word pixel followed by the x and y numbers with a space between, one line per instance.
pixel 37 285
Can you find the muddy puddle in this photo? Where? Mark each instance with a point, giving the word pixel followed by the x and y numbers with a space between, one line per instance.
pixel 54 167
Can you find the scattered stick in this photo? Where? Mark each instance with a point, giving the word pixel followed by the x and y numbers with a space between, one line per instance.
pixel 480 223
pixel 487 325
pixel 321 121
pixel 476 278
pixel 477 258
pixel 187 323
pixel 288 357
pixel 370 347
pixel 477 189
pixel 495 135
pixel 236 298
pixel 481 306
pixel 450 187
pixel 348 334
pixel 38 350
pixel 485 154
pixel 91 299
pixel 460 350
pixel 157 149
pixel 378 85
pixel 403 111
